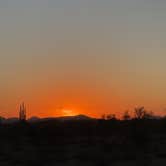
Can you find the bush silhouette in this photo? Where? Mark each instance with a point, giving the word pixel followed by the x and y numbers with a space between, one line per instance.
pixel 126 116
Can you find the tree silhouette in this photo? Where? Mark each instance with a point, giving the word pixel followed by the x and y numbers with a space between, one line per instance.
pixel 103 117
pixel 111 117
pixel 149 115
pixel 139 112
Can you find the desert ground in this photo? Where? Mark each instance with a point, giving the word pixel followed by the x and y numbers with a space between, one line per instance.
pixel 90 143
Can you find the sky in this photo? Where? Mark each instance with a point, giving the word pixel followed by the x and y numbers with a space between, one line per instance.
pixel 67 57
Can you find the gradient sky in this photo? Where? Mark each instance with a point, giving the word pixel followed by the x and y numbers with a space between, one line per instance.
pixel 82 56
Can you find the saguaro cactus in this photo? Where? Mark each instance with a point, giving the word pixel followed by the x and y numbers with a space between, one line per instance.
pixel 22 112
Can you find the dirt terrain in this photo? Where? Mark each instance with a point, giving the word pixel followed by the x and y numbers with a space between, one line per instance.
pixel 83 143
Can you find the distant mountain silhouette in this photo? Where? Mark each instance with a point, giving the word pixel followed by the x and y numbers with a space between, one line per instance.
pixel 67 118
pixel 77 117
pixel 36 119
pixel 10 120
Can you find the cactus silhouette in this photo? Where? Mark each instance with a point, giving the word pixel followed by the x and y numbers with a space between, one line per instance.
pixel 22 112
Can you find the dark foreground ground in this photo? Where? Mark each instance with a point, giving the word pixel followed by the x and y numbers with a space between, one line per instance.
pixel 84 143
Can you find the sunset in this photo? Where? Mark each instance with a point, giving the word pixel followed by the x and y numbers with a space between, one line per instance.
pixel 97 56
pixel 83 69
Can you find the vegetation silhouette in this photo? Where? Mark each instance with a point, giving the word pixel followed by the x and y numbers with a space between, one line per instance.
pixel 126 116
pixel 104 141
pixel 22 113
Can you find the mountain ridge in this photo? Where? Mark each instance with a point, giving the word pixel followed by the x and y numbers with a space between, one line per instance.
pixel 34 119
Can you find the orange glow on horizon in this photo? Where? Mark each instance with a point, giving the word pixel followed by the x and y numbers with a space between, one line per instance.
pixel 68 112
